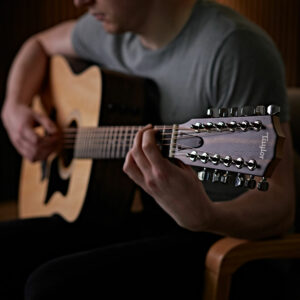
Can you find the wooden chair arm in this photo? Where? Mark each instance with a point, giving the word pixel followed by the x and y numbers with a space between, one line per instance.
pixel 228 254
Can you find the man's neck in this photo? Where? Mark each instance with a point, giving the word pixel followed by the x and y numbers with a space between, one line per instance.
pixel 165 21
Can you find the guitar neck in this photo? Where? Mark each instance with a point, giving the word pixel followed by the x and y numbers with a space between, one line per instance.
pixel 110 142
pixel 247 144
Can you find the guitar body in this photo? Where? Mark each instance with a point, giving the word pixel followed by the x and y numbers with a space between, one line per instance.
pixel 88 190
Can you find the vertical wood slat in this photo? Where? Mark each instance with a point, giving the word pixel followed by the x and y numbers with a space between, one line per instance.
pixel 281 19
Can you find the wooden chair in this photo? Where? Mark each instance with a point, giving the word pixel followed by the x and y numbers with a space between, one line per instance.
pixel 228 254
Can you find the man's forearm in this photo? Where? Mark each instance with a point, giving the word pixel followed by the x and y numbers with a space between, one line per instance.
pixel 253 215
pixel 27 73
pixel 257 214
pixel 29 67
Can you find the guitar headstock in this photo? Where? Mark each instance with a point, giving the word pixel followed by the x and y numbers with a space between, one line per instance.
pixel 234 146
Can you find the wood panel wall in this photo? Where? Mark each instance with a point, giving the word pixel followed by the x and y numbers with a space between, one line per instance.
pixel 19 19
pixel 281 19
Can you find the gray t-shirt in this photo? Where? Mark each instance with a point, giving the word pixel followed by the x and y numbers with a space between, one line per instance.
pixel 219 59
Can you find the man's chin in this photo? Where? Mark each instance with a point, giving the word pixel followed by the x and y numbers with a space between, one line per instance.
pixel 112 28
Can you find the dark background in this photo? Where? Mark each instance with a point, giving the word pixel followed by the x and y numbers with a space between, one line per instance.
pixel 19 19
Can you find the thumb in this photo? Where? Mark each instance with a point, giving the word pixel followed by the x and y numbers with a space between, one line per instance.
pixel 46 122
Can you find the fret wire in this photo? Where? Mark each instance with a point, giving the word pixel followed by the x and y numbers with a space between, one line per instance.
pixel 102 150
pixel 107 154
pixel 124 147
pixel 112 149
pixel 117 143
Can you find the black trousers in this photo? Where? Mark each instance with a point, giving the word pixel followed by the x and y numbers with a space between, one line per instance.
pixel 145 256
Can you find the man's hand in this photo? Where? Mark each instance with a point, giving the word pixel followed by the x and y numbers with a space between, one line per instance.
pixel 25 79
pixel 175 187
pixel 20 122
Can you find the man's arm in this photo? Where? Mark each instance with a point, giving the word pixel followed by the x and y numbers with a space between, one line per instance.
pixel 178 191
pixel 25 79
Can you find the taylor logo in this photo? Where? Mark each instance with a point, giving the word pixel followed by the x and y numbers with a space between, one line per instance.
pixel 263 146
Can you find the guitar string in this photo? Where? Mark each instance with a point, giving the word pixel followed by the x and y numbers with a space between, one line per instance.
pixel 121 139
pixel 118 129
pixel 110 141
pixel 117 139
pixel 81 134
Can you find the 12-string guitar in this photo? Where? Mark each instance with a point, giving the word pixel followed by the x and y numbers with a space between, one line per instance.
pixel 86 179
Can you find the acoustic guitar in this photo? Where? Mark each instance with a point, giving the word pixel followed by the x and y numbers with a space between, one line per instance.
pixel 85 179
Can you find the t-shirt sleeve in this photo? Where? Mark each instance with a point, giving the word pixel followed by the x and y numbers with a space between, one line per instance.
pixel 248 71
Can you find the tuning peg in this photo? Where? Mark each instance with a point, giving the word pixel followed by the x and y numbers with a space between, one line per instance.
pixel 247 111
pixel 197 126
pixel 215 159
pixel 204 157
pixel 232 126
pixel 204 175
pixel 239 162
pixel 244 125
pixel 193 156
pixel 227 161
pixel 263 185
pixel 252 164
pixel 239 180
pixel 220 126
pixel 216 176
pixel 208 126
pixel 250 183
pixel 256 125
pixel 260 110
pixel 273 110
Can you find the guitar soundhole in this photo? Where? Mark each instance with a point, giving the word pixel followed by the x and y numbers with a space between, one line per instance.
pixel 67 153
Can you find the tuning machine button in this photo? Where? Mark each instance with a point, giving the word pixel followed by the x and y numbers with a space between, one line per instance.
pixel 223 112
pixel 227 178
pixel 239 180
pixel 273 110
pixel 263 185
pixel 204 175
pixel 234 111
pixel 210 112
pixel 248 111
pixel 250 182
pixel 260 110
pixel 216 176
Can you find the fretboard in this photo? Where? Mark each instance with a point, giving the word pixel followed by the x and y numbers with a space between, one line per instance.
pixel 108 142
